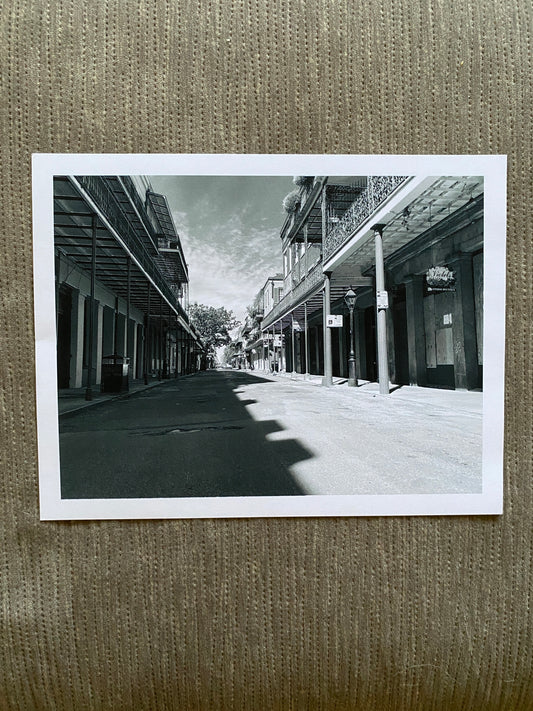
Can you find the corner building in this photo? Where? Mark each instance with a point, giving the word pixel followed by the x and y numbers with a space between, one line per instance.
pixel 121 282
pixel 411 248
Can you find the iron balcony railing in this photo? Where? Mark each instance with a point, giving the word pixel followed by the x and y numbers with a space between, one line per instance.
pixel 97 188
pixel 141 208
pixel 314 277
pixel 377 190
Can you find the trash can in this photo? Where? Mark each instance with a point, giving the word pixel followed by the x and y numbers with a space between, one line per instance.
pixel 115 374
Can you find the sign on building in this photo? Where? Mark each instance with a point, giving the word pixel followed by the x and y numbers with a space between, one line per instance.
pixel 334 321
pixel 382 299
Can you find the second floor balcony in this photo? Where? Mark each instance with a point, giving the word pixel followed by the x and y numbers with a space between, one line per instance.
pixel 339 229
pixel 310 284
pixel 122 230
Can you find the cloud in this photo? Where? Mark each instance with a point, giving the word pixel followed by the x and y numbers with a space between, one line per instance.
pixel 229 272
pixel 230 236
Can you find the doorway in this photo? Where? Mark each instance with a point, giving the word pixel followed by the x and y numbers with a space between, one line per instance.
pixel 371 373
pixel 401 354
pixel 64 315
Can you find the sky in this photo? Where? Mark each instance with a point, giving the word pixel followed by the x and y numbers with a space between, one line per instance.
pixel 230 232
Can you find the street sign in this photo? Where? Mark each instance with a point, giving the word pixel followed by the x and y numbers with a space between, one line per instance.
pixel 382 299
pixel 334 321
pixel 277 341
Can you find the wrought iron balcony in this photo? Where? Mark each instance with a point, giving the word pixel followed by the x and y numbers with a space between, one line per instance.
pixel 102 195
pixel 309 284
pixel 139 204
pixel 378 189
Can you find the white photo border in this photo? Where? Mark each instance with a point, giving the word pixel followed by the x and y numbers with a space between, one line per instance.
pixel 493 168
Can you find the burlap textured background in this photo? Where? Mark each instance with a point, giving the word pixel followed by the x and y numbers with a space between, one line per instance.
pixel 398 613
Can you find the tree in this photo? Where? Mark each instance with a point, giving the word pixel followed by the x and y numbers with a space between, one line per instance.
pixel 213 325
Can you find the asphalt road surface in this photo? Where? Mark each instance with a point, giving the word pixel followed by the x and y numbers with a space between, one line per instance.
pixel 233 433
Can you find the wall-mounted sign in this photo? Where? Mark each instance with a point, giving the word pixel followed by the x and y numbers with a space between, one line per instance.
pixel 382 299
pixel 334 321
pixel 440 279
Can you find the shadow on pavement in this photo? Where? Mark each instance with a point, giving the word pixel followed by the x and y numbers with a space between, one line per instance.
pixel 190 437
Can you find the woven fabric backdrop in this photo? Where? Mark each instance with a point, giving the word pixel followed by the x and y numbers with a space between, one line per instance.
pixel 388 613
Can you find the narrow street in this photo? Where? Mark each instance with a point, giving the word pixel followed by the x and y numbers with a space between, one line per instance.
pixel 236 433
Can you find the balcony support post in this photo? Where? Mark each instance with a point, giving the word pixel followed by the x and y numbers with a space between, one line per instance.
pixel 281 348
pixel 293 346
pixel 305 260
pixel 327 380
pixel 147 336
pixel 128 297
pixel 381 319
pixel 160 350
pixel 176 350
pixel 306 326
pixel 169 344
pixel 88 389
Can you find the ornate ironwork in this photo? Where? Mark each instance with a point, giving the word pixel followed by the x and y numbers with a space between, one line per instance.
pixel 378 189
pixel 296 295
pixel 103 196
pixel 135 198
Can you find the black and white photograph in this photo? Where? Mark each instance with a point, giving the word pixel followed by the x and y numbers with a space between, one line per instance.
pixel 222 336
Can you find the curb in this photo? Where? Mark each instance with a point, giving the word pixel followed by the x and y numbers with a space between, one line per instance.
pixel 119 396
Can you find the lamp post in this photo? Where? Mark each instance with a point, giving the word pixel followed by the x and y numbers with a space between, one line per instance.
pixel 349 300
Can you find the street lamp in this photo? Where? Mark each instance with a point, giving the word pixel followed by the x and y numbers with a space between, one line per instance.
pixel 349 300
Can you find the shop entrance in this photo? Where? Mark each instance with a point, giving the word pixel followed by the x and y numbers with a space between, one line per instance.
pixel 64 314
pixel 401 359
pixel 371 370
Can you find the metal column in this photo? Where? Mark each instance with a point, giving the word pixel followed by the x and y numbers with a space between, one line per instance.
pixel 293 347
pixel 147 336
pixel 306 326
pixel 169 344
pixel 381 311
pixel 281 348
pixel 160 349
pixel 328 375
pixel 128 297
pixel 176 373
pixel 88 389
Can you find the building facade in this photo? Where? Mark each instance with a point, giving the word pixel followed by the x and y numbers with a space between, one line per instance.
pixel 261 353
pixel 121 282
pixel 410 249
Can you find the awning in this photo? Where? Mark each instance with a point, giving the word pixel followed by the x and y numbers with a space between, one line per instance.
pixel 121 236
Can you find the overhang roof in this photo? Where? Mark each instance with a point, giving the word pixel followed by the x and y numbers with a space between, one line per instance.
pixel 438 199
pixel 74 208
pixel 413 215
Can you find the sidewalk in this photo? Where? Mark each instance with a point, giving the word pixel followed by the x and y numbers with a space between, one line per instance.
pixel 468 401
pixel 413 441
pixel 72 400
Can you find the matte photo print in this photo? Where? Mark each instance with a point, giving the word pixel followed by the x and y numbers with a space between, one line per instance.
pixel 269 335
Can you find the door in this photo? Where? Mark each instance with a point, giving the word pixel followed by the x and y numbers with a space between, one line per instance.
pixel 370 345
pixel 64 315
pixel 401 357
